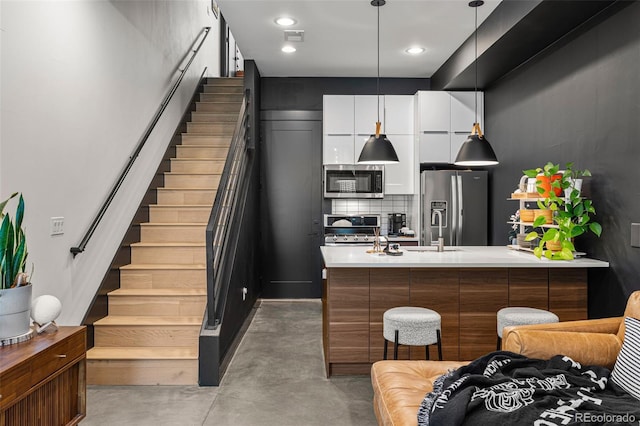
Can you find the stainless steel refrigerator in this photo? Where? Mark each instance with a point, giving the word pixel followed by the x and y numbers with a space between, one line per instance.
pixel 459 199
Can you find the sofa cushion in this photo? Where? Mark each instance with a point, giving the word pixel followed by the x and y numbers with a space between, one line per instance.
pixel 626 372
pixel 400 386
pixel 586 348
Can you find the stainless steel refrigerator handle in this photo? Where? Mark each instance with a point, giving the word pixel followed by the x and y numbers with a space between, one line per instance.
pixel 454 213
pixel 459 212
pixel 423 230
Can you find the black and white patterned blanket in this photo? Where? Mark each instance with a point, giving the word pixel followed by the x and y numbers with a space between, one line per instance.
pixel 504 388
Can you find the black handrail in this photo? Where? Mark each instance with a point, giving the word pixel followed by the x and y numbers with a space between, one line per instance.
pixel 222 214
pixel 165 102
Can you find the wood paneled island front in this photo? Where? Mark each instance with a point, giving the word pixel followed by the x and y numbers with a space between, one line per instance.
pixel 466 285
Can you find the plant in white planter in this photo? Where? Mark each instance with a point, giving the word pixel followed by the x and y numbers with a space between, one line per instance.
pixel 15 287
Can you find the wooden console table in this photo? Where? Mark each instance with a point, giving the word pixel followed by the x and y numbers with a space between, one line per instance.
pixel 43 380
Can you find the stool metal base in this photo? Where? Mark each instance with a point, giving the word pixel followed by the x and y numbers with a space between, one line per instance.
pixel 396 344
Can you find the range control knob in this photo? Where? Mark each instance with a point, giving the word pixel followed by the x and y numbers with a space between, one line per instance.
pixel 335 238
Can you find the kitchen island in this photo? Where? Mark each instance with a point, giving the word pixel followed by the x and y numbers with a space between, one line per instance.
pixel 466 285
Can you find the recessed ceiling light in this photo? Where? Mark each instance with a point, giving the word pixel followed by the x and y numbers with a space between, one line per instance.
pixel 415 50
pixel 285 22
pixel 288 49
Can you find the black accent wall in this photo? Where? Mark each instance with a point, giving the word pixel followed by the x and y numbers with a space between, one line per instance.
pixel 305 93
pixel 579 101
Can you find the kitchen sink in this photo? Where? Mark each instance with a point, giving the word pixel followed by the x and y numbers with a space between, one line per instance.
pixel 429 249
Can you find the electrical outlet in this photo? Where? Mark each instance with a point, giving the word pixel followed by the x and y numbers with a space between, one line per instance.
pixel 57 225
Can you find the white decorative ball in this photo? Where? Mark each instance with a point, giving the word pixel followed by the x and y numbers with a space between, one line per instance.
pixel 45 309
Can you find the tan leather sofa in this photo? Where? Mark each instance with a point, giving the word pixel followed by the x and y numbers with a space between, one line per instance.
pixel 400 386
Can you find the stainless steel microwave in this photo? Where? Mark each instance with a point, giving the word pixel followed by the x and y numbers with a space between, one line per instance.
pixel 353 181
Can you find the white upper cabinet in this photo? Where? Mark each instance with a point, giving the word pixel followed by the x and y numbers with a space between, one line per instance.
pixel 399 177
pixel 337 125
pixel 398 115
pixel 366 114
pixel 348 121
pixel 434 147
pixel 463 113
pixel 338 115
pixel 338 149
pixel 434 111
pixel 445 119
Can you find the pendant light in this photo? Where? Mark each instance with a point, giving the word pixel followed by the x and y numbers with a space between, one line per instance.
pixel 476 150
pixel 378 149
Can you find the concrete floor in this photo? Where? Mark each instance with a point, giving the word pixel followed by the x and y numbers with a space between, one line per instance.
pixel 276 378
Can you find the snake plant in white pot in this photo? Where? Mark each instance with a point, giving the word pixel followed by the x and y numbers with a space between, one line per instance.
pixel 15 286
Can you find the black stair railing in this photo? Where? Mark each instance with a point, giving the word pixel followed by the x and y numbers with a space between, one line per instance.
pixel 223 228
pixel 191 54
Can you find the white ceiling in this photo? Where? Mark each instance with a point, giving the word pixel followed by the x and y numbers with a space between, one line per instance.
pixel 340 35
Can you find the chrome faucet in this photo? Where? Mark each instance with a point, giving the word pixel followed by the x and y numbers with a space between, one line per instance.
pixel 440 242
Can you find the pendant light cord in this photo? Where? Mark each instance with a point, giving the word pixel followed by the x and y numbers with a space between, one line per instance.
pixel 378 78
pixel 476 66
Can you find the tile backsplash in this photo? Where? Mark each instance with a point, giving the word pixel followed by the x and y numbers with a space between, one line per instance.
pixel 389 204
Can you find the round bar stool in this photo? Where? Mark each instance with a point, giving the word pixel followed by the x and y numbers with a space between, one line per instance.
pixel 522 316
pixel 413 326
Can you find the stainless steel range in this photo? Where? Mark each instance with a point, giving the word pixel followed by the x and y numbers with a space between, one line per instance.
pixel 350 229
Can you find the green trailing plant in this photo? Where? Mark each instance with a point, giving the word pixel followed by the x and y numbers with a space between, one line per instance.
pixel 572 214
pixel 13 247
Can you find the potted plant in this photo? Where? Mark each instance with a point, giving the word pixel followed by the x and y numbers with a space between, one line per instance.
pixel 516 238
pixel 15 287
pixel 572 214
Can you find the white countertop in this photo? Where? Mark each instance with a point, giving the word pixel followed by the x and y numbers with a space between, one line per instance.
pixel 452 257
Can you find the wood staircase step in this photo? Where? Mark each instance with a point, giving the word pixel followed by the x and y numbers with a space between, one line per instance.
pixel 182 196
pixel 142 275
pixel 191 180
pixel 159 292
pixel 175 253
pixel 221 97
pixel 158 232
pixel 142 366
pixel 147 331
pixel 115 352
pixel 224 81
pixel 202 151
pixel 211 89
pixel 179 213
pixel 160 302
pixel 151 334
pixel 223 129
pixel 218 141
pixel 196 165
pixel 227 107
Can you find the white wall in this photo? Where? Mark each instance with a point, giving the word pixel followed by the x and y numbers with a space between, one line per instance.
pixel 80 81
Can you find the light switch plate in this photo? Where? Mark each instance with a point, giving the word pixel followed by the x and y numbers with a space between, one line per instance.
pixel 635 235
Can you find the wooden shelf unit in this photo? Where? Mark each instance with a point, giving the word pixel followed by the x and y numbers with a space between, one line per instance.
pixel 43 380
